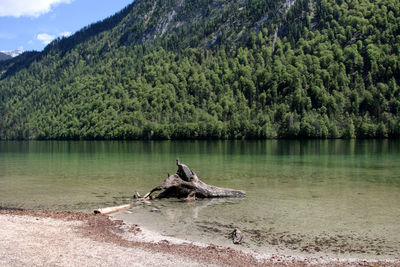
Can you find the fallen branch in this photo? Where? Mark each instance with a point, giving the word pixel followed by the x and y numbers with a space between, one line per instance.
pixel 112 209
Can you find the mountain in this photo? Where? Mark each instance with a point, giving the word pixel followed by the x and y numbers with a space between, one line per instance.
pixel 4 56
pixel 13 53
pixel 237 69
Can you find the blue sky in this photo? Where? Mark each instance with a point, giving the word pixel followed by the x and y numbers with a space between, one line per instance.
pixel 32 24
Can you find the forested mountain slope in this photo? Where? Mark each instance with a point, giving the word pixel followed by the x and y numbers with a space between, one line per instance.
pixel 214 69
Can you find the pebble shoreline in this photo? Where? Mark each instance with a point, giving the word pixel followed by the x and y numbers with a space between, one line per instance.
pixel 101 228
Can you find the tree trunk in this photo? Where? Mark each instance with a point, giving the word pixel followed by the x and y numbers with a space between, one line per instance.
pixel 186 184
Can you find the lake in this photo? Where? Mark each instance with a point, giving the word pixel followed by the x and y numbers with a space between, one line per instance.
pixel 324 197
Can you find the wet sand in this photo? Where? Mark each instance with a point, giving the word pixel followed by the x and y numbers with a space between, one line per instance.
pixel 46 238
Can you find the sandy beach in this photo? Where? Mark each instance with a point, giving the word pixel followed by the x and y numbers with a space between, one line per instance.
pixel 44 238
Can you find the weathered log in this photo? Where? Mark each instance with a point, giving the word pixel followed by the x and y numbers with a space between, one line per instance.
pixel 112 209
pixel 186 184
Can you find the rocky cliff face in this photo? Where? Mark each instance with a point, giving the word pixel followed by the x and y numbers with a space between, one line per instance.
pixel 198 23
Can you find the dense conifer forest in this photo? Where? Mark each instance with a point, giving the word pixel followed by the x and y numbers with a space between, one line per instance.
pixel 211 69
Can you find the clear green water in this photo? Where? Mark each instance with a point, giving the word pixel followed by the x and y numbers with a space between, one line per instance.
pixel 324 197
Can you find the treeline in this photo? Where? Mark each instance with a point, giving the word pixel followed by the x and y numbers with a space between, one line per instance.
pixel 329 69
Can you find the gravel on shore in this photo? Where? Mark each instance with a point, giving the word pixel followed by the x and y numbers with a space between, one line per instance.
pixel 48 238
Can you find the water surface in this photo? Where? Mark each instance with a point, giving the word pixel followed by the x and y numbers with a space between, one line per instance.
pixel 329 196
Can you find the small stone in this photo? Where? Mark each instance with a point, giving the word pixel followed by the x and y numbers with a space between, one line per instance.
pixel 237 236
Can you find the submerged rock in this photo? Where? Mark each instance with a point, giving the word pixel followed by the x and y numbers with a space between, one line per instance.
pixel 155 210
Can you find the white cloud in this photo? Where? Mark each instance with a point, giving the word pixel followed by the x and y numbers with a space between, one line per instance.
pixel 45 38
pixel 66 34
pixel 28 8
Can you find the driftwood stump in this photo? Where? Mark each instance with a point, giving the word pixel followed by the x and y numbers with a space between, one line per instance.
pixel 185 184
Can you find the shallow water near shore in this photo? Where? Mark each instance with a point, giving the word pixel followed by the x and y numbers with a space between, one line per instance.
pixel 322 197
